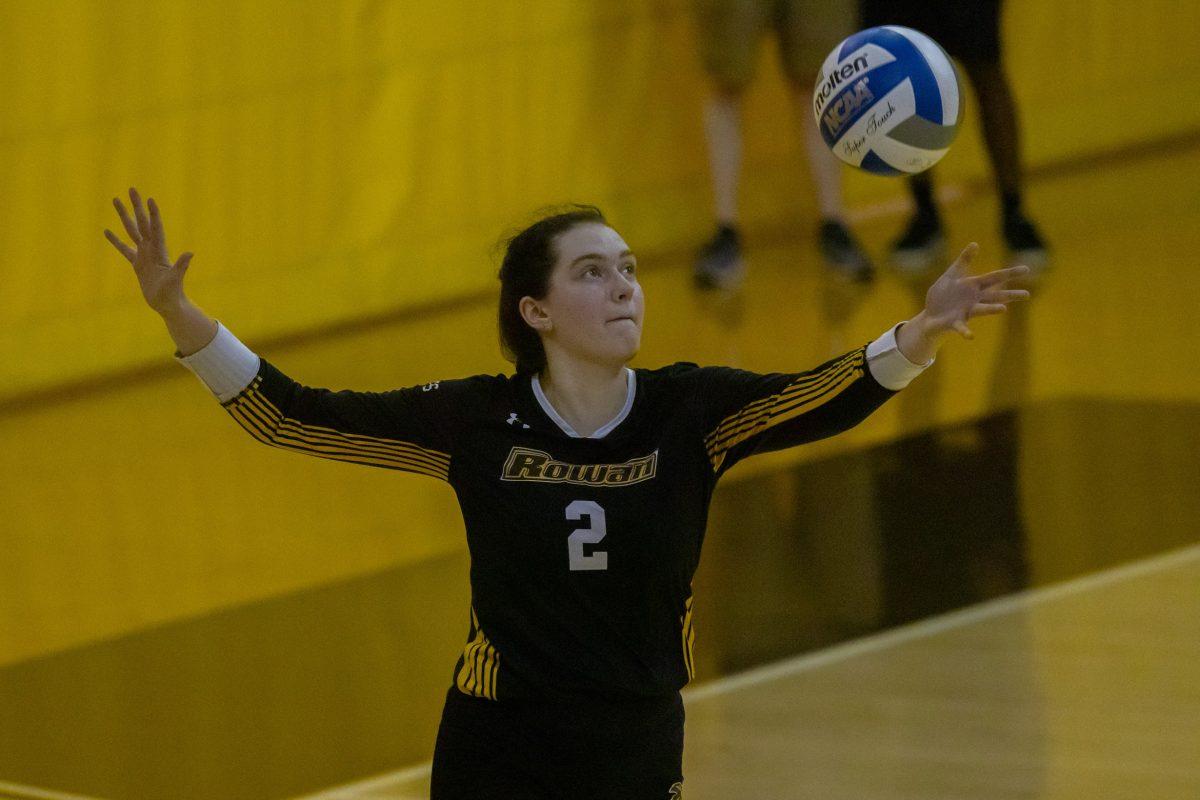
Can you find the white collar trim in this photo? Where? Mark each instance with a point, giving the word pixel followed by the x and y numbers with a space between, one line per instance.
pixel 602 431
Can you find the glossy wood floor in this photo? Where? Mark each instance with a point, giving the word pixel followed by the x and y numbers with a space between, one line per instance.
pixel 991 589
pixel 1086 689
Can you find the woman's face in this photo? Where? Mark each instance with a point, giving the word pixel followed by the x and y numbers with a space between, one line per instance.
pixel 593 307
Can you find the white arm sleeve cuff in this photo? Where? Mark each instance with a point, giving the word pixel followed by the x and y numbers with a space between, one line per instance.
pixel 888 365
pixel 225 364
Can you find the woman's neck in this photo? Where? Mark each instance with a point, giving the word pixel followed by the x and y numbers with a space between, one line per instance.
pixel 588 396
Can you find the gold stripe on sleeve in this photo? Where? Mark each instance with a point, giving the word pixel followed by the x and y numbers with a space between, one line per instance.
pixel 758 407
pixel 800 397
pixel 265 422
pixel 752 412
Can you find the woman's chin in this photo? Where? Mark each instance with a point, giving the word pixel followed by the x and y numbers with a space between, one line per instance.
pixel 619 353
pixel 629 348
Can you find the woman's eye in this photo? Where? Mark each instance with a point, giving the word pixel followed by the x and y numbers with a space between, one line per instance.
pixel 593 271
pixel 631 268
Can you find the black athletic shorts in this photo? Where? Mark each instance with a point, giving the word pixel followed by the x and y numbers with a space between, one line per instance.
pixel 969 30
pixel 552 750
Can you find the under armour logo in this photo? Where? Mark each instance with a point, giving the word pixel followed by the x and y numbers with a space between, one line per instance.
pixel 677 791
pixel 512 420
pixel 429 387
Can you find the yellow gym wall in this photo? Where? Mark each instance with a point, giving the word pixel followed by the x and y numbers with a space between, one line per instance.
pixel 331 161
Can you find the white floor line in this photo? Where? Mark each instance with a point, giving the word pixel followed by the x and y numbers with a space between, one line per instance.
pixel 350 791
pixel 869 644
pixel 944 622
pixel 34 793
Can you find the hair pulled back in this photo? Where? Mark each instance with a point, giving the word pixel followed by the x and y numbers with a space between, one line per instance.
pixel 529 258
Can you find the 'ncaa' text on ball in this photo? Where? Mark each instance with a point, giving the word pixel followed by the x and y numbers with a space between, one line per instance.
pixel 836 78
pixel 842 109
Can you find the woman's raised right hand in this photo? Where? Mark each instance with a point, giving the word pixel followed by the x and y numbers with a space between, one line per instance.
pixel 160 280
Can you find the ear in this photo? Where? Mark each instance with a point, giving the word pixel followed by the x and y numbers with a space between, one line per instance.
pixel 534 314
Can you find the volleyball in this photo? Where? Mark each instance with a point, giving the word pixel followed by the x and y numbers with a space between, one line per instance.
pixel 887 101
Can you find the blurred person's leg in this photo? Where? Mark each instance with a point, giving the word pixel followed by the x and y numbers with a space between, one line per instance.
pixel 978 46
pixel 723 132
pixel 808 31
pixel 730 33
pixel 1001 133
pixel 922 243
pixel 969 30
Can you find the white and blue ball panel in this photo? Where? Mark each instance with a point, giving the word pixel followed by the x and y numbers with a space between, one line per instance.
pixel 888 100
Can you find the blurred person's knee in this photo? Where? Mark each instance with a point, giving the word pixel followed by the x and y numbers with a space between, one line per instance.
pixel 808 32
pixel 730 32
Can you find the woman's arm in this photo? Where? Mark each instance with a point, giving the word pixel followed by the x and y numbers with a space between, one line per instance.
pixel 190 327
pixel 405 429
pixel 746 413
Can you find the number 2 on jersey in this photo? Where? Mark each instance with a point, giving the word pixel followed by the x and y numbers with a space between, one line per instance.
pixel 589 535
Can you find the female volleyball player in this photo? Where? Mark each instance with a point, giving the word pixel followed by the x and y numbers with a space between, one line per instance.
pixel 584 485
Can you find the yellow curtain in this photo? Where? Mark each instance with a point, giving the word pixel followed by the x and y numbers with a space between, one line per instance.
pixel 327 161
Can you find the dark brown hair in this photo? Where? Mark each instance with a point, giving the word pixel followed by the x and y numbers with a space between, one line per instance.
pixel 529 258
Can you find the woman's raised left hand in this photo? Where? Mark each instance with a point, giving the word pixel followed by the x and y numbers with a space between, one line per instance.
pixel 955 298
pixel 958 296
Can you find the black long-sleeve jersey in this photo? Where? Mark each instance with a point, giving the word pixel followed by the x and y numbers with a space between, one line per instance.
pixel 582 549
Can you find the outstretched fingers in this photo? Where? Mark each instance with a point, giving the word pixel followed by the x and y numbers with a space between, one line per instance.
pixel 139 213
pixel 156 228
pixel 130 227
pixel 987 309
pixel 1001 275
pixel 122 248
pixel 1003 295
pixel 961 265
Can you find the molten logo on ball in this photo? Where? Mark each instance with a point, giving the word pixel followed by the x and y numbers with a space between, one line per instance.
pixel 836 78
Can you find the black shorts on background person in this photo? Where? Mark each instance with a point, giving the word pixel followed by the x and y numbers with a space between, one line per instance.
pixel 969 30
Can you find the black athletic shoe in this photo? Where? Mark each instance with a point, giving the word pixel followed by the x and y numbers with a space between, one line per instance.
pixel 719 264
pixel 843 254
pixel 921 246
pixel 1025 245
